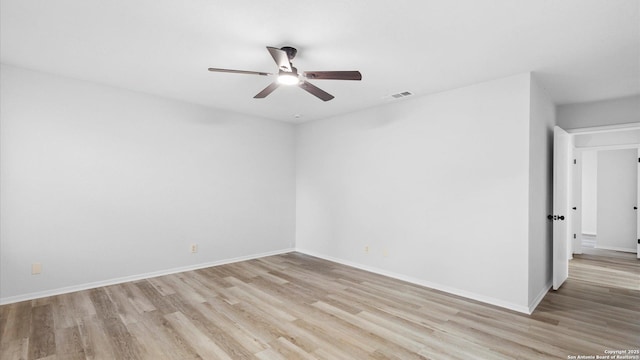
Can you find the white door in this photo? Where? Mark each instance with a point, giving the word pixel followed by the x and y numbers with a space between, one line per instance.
pixel 562 162
pixel 617 197
pixel 636 208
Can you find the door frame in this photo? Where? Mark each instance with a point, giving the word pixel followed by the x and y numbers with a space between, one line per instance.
pixel 569 170
pixel 577 180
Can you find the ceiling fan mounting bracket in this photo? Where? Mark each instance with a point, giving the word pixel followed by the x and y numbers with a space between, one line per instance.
pixel 291 51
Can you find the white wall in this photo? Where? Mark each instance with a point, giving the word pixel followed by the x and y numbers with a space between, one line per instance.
pixel 599 113
pixel 617 194
pixel 99 183
pixel 542 121
pixel 437 187
pixel 589 192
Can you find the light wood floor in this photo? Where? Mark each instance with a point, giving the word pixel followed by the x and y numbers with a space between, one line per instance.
pixel 295 306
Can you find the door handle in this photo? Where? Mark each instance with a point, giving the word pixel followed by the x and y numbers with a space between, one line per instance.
pixel 635 208
pixel 555 217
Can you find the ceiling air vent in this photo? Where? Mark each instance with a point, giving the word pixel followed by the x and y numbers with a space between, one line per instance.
pixel 402 94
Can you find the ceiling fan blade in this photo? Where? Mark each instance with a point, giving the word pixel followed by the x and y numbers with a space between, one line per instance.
pixel 240 71
pixel 316 91
pixel 266 91
pixel 281 58
pixel 333 75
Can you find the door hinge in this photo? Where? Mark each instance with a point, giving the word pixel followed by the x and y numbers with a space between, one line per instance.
pixel 575 161
pixel 574 236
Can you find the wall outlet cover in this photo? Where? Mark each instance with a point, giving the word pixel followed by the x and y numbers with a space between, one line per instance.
pixel 36 268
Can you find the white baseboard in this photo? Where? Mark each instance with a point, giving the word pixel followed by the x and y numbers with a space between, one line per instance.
pixel 469 295
pixel 589 240
pixel 534 304
pixel 93 285
pixel 447 289
pixel 629 250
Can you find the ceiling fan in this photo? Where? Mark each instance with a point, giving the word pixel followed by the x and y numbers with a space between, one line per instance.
pixel 288 74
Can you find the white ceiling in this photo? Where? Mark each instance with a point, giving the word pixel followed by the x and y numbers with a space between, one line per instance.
pixel 583 50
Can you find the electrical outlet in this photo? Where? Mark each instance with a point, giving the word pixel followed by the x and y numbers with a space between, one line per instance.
pixel 36 268
pixel 194 248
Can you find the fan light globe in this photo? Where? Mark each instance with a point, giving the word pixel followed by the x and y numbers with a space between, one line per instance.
pixel 287 79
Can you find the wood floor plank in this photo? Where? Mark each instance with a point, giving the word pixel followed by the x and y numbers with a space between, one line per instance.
pixel 334 343
pixel 206 348
pixel 242 336
pixel 17 325
pixel 289 350
pixel 15 349
pixel 95 342
pixel 69 344
pixel 62 309
pixel 82 305
pixel 156 298
pixel 123 344
pixel 160 286
pixel 260 329
pixel 220 336
pixel 294 306
pixel 160 333
pixel 408 343
pixel 139 301
pixel 150 346
pixel 42 342
pixel 270 354
pixel 123 306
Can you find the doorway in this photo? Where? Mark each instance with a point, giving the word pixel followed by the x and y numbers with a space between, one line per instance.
pixel 607 184
pixel 620 231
